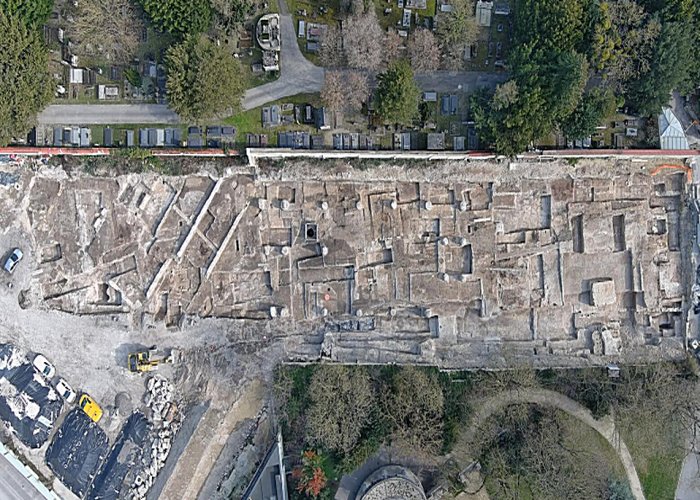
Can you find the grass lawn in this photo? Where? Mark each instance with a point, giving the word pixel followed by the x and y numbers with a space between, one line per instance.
pixel 661 476
pixel 313 15
pixel 657 450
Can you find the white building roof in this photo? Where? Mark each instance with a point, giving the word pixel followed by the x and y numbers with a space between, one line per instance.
pixel 671 134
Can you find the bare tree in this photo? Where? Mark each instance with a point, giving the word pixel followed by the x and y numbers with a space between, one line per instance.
pixel 357 7
pixel 413 405
pixel 362 41
pixel 545 449
pixel 393 46
pixel 344 90
pixel 106 28
pixel 341 402
pixel 358 90
pixel 423 51
pixel 331 48
pixel 333 91
pixel 457 31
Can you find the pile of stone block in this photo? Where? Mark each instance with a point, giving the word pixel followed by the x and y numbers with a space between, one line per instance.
pixel 160 400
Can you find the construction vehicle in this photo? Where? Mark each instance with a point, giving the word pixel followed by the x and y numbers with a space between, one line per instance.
pixel 149 359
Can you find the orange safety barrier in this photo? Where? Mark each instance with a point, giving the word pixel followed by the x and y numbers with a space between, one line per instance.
pixel 688 171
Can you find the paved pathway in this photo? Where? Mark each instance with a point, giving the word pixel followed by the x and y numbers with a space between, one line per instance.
pixel 605 426
pixel 103 114
pixel 689 481
pixel 297 74
pixel 456 81
pixel 13 485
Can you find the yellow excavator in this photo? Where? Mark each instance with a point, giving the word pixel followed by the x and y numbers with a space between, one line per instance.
pixel 149 359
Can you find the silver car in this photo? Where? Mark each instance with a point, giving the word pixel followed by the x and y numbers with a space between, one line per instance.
pixel 13 260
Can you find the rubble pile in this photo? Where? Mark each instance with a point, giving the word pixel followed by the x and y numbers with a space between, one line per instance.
pixel 167 420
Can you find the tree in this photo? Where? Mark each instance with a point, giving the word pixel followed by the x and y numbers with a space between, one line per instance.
pixel 32 12
pixel 333 90
pixel 25 85
pixel 358 90
pixel 543 452
pixel 550 26
pixel 231 13
pixel 344 90
pixel 203 79
pixel 673 57
pixel 341 402
pixel 393 46
pixel 594 107
pixel 510 125
pixel 618 490
pixel 331 48
pixel 565 79
pixel 423 51
pixel 362 41
pixel 528 107
pixel 110 28
pixel 180 17
pixel 397 94
pixel 623 41
pixel 413 406
pixel 311 479
pixel 456 32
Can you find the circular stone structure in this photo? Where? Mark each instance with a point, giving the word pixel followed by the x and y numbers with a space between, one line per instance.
pixel 391 482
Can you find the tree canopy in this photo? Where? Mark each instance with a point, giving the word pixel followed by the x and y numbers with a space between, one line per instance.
pixel 423 50
pixel 551 26
pixel 203 79
pixel 526 108
pixel 25 85
pixel 110 28
pixel 341 402
pixel 397 95
pixel 180 17
pixel 592 109
pixel 456 31
pixel 362 40
pixel 672 68
pixel 416 421
pixel 31 12
pixel 623 41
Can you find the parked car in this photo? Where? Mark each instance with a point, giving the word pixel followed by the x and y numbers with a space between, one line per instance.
pixel 91 409
pixel 45 368
pixel 13 260
pixel 65 391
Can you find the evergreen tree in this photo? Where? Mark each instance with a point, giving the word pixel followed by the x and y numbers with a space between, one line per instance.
pixel 25 85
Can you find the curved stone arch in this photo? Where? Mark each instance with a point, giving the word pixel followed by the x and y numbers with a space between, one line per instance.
pixel 543 397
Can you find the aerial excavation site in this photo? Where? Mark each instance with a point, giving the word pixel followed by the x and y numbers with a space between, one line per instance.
pixel 567 268
pixel 162 306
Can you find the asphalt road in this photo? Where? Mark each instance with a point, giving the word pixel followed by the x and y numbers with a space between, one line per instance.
pixel 13 485
pixel 458 81
pixel 297 74
pixel 103 114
